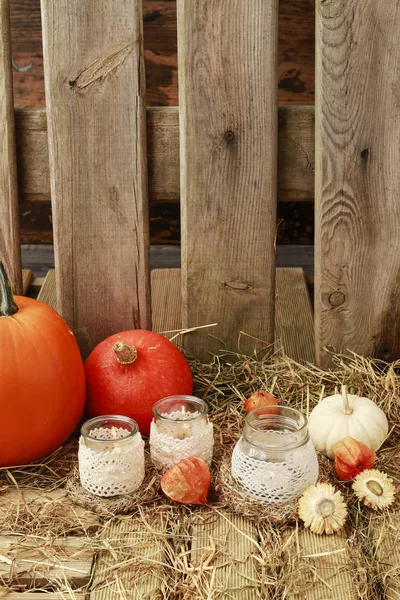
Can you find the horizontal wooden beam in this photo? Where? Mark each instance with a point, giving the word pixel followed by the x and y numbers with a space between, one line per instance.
pixel 296 154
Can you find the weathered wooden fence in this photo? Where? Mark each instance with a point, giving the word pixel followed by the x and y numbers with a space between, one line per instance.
pixel 238 155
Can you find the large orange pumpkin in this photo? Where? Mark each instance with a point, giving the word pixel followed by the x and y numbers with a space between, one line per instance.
pixel 42 379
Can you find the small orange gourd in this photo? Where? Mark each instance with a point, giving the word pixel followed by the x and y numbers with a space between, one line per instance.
pixel 188 481
pixel 351 458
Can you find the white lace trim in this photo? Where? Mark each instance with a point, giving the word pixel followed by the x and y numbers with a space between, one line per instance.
pixel 112 469
pixel 275 481
pixel 166 450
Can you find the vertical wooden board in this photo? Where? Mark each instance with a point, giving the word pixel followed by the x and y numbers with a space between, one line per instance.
pixel 27 277
pixel 95 91
pixel 10 253
pixel 132 567
pixel 166 301
pixel 228 148
pixel 357 246
pixel 317 567
pixel 293 315
pixel 223 546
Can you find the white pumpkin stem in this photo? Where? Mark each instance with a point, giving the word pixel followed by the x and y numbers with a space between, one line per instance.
pixel 347 410
pixel 126 354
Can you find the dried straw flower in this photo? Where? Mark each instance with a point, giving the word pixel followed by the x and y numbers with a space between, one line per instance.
pixel 374 488
pixel 322 508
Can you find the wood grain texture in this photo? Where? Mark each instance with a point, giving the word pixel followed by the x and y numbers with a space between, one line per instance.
pixel 386 534
pixel 357 301
pixel 34 562
pixel 45 507
pixel 95 93
pixel 228 134
pixel 225 543
pixel 318 567
pixel 131 566
pixel 293 314
pixel 295 145
pixel 10 253
pixel 296 52
pixel 294 332
pixel 27 276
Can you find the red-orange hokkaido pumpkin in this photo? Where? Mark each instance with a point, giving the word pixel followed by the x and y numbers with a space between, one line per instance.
pixel 42 379
pixel 130 371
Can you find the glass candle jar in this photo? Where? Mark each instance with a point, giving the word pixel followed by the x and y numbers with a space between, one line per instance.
pixel 111 456
pixel 275 460
pixel 180 428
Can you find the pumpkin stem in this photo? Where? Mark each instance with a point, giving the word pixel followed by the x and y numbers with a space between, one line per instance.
pixel 347 410
pixel 126 354
pixel 8 306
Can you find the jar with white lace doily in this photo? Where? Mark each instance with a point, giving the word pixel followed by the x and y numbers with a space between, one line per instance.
pixel 111 456
pixel 180 428
pixel 275 460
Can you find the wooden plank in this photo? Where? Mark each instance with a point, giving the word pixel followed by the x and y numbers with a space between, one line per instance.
pixel 386 534
pixel 294 326
pixel 140 548
pixel 295 144
pixel 95 93
pixel 42 595
pixel 39 258
pixel 296 154
pixel 293 314
pixel 357 182
pixel 166 300
pixel 296 52
pixel 44 507
pixel 33 562
pixel 228 129
pixel 32 155
pixel 223 546
pixel 296 140
pixel 27 276
pixel 48 291
pixel 10 253
pixel 318 567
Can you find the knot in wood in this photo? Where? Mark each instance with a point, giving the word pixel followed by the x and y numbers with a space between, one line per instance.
pixel 238 285
pixel 365 154
pixel 229 136
pixel 337 299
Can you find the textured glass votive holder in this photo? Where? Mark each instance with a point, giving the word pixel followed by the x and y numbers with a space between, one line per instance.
pixel 111 456
pixel 180 428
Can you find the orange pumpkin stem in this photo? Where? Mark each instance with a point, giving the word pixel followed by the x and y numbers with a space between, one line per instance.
pixel 347 410
pixel 8 306
pixel 126 354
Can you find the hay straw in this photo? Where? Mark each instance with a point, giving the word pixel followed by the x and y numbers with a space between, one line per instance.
pixel 224 383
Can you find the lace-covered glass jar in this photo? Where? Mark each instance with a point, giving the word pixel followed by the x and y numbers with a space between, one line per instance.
pixel 180 428
pixel 275 460
pixel 111 456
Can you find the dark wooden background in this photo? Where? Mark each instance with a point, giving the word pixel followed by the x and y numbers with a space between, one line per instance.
pixel 296 87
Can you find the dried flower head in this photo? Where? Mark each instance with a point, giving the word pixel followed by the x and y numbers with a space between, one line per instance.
pixel 322 508
pixel 374 488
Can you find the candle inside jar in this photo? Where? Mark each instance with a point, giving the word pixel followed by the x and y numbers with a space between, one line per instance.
pixel 111 456
pixel 107 434
pixel 178 428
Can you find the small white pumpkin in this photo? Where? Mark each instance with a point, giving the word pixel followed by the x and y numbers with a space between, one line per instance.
pixel 343 415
